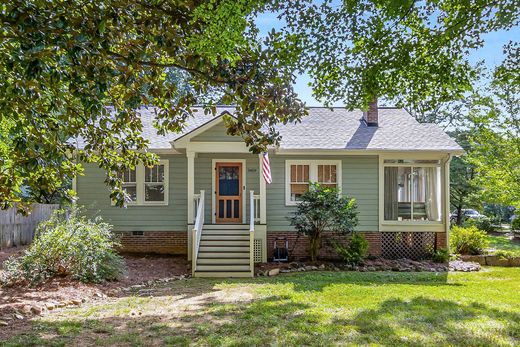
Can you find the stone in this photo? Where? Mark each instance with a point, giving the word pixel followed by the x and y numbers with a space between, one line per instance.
pixel 322 267
pixel 514 262
pixel 18 316
pixel 495 260
pixel 464 266
pixel 76 302
pixel 3 323
pixel 274 272
pixel 37 310
pixel 284 271
pixel 26 309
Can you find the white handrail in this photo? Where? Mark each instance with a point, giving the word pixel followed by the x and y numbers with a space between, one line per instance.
pixel 257 207
pixel 251 210
pixel 197 229
pixel 251 232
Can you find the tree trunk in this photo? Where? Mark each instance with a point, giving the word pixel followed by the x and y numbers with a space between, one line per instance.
pixel 315 243
pixel 459 215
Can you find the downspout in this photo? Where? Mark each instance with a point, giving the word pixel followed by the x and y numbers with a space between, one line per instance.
pixel 447 198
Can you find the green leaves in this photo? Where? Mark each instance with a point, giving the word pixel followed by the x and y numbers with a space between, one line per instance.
pixel 78 72
pixel 323 209
pixel 403 51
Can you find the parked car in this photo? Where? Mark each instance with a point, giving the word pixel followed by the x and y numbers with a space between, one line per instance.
pixel 466 214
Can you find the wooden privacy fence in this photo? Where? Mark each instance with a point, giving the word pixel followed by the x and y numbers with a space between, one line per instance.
pixel 16 229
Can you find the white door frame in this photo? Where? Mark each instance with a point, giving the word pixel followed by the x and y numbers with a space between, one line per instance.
pixel 213 187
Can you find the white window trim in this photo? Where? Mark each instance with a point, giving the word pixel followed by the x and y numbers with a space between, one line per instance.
pixel 393 223
pixel 139 174
pixel 313 175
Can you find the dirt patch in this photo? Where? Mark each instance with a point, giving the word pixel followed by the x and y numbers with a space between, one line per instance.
pixel 19 304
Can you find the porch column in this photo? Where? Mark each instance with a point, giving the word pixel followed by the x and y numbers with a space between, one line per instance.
pixel 263 195
pixel 191 185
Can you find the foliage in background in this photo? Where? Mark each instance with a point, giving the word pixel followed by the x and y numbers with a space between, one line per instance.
pixel 68 244
pixel 468 240
pixel 464 191
pixel 515 224
pixel 496 134
pixel 355 251
pixel 323 209
pixel 483 223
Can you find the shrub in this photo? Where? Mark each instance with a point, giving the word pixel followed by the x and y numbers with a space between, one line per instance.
pixel 515 224
pixel 355 251
pixel 468 240
pixel 322 208
pixel 441 256
pixel 482 223
pixel 68 244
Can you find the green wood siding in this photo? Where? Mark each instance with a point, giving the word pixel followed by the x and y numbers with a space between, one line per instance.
pixel 217 133
pixel 359 180
pixel 94 195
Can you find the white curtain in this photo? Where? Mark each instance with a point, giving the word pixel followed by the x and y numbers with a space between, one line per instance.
pixel 433 193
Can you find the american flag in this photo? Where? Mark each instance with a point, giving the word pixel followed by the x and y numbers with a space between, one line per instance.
pixel 266 168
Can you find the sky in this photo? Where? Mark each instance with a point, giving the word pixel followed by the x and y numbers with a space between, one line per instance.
pixel 491 53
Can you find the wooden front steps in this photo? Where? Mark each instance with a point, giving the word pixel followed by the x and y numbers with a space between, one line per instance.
pixel 224 251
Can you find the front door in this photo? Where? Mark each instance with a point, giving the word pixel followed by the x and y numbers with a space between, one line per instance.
pixel 228 192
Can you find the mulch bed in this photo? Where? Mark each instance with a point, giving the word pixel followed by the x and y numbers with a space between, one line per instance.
pixel 19 304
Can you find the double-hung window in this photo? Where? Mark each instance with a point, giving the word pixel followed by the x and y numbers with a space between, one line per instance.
pixel 147 185
pixel 298 174
pixel 412 190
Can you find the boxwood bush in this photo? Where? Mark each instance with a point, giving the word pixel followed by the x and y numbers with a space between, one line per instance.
pixel 68 244
pixel 468 240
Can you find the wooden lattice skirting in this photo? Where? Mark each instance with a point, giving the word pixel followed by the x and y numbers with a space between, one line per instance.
pixel 410 245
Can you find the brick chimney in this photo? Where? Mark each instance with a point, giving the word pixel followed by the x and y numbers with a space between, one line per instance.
pixel 371 116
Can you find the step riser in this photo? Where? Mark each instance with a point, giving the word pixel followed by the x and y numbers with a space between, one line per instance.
pixel 222 274
pixel 226 227
pixel 224 237
pixel 209 268
pixel 226 243
pixel 225 232
pixel 208 249
pixel 225 255
pixel 223 261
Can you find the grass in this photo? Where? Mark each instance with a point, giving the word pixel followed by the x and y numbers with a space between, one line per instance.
pixel 504 243
pixel 313 309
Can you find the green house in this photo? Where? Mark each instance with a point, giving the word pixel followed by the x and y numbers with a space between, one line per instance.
pixel 208 199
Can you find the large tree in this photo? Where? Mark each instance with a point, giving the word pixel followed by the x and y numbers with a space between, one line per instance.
pixel 412 53
pixel 496 134
pixel 62 63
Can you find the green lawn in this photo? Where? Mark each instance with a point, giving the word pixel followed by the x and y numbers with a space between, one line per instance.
pixel 504 243
pixel 315 309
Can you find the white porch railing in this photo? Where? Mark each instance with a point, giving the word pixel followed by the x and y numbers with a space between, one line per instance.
pixel 256 202
pixel 252 219
pixel 197 228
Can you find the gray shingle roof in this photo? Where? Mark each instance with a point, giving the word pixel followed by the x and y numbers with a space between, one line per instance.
pixel 326 129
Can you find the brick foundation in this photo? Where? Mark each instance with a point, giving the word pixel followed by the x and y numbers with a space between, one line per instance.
pixel 441 241
pixel 160 242
pixel 299 246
